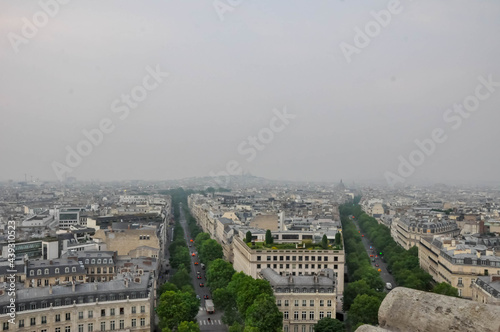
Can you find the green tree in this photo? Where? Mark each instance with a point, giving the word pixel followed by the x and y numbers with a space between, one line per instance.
pixel 264 315
pixel 338 239
pixel 188 327
pixel 269 237
pixel 445 289
pixel 236 328
pixel 200 238
pixel 219 274
pixel 168 286
pixel 248 237
pixel 324 242
pixel 181 256
pixel 364 310
pixel 353 289
pixel 209 251
pixel 181 278
pixel 328 324
pixel 176 307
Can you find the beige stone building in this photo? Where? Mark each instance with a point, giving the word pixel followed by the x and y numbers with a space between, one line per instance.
pixel 295 262
pixel 122 305
pixel 123 241
pixel 458 264
pixel 487 290
pixel 407 232
pixel 303 300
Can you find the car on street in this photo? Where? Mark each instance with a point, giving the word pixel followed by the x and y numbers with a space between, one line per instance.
pixel 199 277
pixel 195 263
pixel 205 297
pixel 193 254
pixel 376 265
pixel 202 284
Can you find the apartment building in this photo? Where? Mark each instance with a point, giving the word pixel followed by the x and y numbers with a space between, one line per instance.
pixel 407 231
pixel 299 261
pixel 124 305
pixel 303 300
pixel 457 262
pixel 486 289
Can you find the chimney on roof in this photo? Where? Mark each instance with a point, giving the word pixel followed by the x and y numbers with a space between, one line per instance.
pixel 290 279
pixel 50 289
pixel 95 285
pixel 51 262
pixel 126 282
pixel 478 253
pixel 315 278
pixel 73 286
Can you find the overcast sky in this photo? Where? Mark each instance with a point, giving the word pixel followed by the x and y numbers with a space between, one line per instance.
pixel 354 106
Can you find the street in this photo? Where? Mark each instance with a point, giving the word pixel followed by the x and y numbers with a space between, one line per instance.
pixel 215 323
pixel 384 274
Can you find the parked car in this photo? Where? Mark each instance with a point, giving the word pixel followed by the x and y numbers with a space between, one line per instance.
pixel 201 284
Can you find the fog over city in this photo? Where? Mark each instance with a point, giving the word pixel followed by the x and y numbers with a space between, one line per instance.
pixel 379 91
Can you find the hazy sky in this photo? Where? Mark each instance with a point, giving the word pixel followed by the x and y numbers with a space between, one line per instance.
pixel 358 102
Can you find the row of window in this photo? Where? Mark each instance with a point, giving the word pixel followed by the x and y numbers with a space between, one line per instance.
pixel 90 299
pixel 104 270
pixel 90 314
pixel 90 326
pixel 304 315
pixel 93 261
pixel 46 271
pixel 294 266
pixel 299 258
pixel 296 328
pixel 304 303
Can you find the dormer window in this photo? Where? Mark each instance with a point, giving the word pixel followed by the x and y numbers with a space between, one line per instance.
pixel 46 271
pixel 105 261
pixel 99 261
pixel 57 270
pixel 66 270
pixel 39 272
pixel 93 261
pixel 32 273
pixel 73 269
pixel 87 261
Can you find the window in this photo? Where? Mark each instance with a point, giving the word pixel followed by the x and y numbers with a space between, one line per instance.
pixel 46 282
pixel 295 315
pixel 304 302
pixel 58 329
pixel 103 326
pixel 66 270
pixel 5 326
pixel 112 311
pixel 325 258
pixel 311 315
pixel 143 309
pixel 329 314
pixel 44 319
pixel 93 261
pixel 58 318
pixel 335 267
pixel 278 303
pixel 286 303
pixel 80 315
pixel 285 315
pixel 87 261
pixel 321 303
pixel 99 261
pixel 122 311
pixel 296 303
pixel 67 329
pixel 90 327
pixel 73 269
pixel 32 321
pixel 459 282
pixel 57 270
pixel 258 266
pixel 472 280
pixel 46 271
pixel 304 315
pixel 329 303
pixel 143 321
pixel 258 258
pixel 38 272
pixel 32 273
pixel 68 316
pixel 312 266
pixel 103 312
pixel 321 315
pixel 134 322
pixel 90 314
pixel 80 327
pixel 21 323
pixel 311 303
pixel 122 324
pixel 286 328
pixel 133 310
pixel 319 258
pixel 307 266
pixel 112 325
pixel 335 258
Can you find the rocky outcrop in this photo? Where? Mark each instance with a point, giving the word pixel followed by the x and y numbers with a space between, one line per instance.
pixel 406 309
